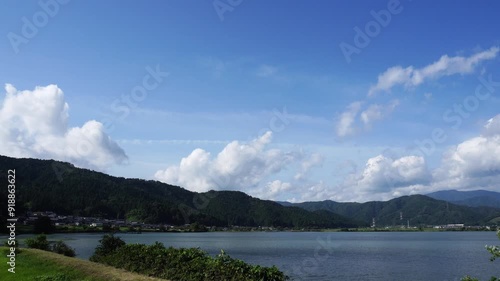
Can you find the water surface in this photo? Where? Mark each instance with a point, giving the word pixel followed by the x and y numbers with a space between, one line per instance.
pixel 336 255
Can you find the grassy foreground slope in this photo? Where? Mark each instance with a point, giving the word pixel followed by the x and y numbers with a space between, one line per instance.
pixel 38 265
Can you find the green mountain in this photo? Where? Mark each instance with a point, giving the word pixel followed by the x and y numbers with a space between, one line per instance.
pixel 474 198
pixel 418 209
pixel 47 185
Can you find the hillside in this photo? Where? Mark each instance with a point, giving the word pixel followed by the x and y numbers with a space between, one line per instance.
pixel 418 209
pixel 33 264
pixel 47 185
pixel 475 198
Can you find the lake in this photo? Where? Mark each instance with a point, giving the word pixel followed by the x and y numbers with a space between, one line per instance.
pixel 335 255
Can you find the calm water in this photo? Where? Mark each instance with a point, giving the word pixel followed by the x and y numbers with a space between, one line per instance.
pixel 335 256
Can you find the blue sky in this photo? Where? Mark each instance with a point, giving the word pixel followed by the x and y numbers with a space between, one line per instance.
pixel 259 93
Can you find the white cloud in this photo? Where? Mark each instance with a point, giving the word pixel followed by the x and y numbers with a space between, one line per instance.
pixel 376 112
pixel 314 192
pixel 474 160
pixel 382 178
pixel 314 160
pixel 472 164
pixel 345 122
pixel 392 76
pixel 238 166
pixel 381 174
pixel 348 123
pixel 445 66
pixel 271 190
pixel 492 126
pixel 35 124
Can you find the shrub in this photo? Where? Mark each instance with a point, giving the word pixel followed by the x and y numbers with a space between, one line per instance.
pixel 181 264
pixel 495 253
pixel 39 242
pixel 494 250
pixel 61 248
pixel 108 244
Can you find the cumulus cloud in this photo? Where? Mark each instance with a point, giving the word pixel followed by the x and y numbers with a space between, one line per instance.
pixel 445 66
pixel 382 173
pixel 474 162
pixel 315 192
pixel 475 157
pixel 349 122
pixel 241 166
pixel 271 190
pixel 471 164
pixel 382 178
pixel 35 124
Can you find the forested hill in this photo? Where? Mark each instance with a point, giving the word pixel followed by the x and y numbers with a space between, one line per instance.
pixel 475 198
pixel 47 185
pixel 418 209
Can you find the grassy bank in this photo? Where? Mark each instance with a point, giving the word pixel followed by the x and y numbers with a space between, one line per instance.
pixel 37 265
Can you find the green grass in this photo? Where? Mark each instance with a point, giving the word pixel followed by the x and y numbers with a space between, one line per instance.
pixel 37 265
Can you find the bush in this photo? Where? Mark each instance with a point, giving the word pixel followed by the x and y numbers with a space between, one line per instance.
pixel 181 264
pixel 61 248
pixel 39 242
pixel 494 250
pixel 495 253
pixel 108 244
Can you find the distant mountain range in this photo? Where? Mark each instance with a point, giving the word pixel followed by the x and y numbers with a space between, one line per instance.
pixel 474 198
pixel 47 185
pixel 415 210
